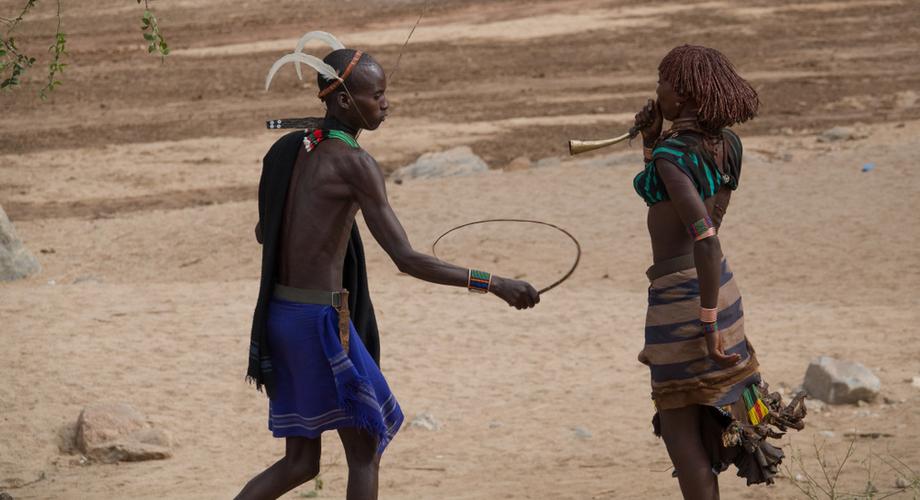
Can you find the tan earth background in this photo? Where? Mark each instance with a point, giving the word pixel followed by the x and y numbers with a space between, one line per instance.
pixel 135 186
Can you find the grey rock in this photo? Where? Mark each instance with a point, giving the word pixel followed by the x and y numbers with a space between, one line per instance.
pixel 582 433
pixel 16 261
pixel 116 432
pixel 454 162
pixel 915 382
pixel 5 496
pixel 840 382
pixel 837 134
pixel 901 483
pixel 548 162
pixel 827 434
pixel 425 421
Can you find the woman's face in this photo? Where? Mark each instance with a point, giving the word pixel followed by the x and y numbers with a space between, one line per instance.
pixel 668 100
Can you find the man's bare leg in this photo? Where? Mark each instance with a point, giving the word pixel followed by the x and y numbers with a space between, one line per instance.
pixel 680 430
pixel 363 463
pixel 299 465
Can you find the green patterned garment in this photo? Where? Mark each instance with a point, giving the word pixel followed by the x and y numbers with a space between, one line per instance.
pixel 685 150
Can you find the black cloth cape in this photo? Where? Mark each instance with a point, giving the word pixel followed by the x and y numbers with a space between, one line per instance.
pixel 277 167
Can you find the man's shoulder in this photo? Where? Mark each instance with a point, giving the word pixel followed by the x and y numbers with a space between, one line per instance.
pixel 345 153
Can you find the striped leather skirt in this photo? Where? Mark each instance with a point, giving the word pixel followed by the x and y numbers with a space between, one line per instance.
pixel 675 348
pixel 738 412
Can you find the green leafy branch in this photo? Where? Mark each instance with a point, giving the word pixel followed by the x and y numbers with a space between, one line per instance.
pixel 58 50
pixel 11 59
pixel 14 63
pixel 150 27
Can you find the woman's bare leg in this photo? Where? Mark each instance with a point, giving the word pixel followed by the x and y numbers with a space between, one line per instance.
pixel 681 432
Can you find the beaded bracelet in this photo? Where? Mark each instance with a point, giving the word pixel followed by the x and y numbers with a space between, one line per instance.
pixel 702 229
pixel 479 281
pixel 710 327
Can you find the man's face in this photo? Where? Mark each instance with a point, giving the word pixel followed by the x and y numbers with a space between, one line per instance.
pixel 368 85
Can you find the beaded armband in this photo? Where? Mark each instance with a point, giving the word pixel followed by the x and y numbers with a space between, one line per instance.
pixel 702 229
pixel 710 327
pixel 479 281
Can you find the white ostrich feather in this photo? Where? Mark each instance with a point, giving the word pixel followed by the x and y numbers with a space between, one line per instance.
pixel 325 70
pixel 322 36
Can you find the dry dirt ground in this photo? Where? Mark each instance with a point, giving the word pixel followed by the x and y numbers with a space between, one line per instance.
pixel 135 186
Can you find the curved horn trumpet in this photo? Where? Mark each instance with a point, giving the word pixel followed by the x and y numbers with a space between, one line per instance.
pixel 578 147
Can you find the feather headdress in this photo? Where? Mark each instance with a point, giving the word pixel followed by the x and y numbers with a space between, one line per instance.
pixel 322 36
pixel 297 57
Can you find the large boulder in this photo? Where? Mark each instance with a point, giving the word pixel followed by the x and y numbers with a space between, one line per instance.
pixel 837 381
pixel 116 432
pixel 451 163
pixel 15 261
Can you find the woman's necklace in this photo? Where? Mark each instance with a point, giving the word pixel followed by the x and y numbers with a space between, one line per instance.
pixel 685 124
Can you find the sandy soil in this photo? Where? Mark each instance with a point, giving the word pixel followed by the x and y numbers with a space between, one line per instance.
pixel 135 186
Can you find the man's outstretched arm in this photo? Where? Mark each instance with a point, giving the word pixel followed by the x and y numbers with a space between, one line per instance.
pixel 369 189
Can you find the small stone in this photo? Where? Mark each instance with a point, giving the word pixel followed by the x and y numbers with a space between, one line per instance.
pixel 840 382
pixel 799 478
pixel 425 421
pixel 901 483
pixel 827 434
pixel 861 403
pixel 495 425
pixel 787 157
pixel 5 496
pixel 890 401
pixel 837 134
pixel 915 382
pixel 816 405
pixel 518 164
pixel 582 433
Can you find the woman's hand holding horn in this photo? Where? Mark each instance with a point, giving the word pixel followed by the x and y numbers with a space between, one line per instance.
pixel 649 121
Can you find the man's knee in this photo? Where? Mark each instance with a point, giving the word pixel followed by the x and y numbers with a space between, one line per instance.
pixel 360 448
pixel 303 468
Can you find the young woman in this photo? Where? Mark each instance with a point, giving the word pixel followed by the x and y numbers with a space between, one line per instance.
pixel 712 409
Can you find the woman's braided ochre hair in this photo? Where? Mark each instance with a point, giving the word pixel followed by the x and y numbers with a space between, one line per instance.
pixel 707 76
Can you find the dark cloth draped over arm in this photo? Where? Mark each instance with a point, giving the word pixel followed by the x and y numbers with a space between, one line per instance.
pixel 277 167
